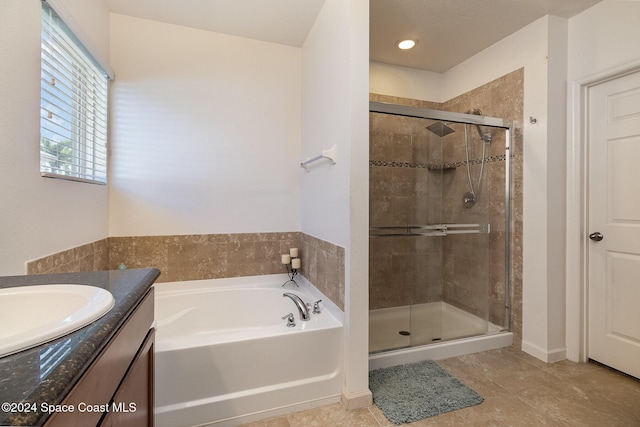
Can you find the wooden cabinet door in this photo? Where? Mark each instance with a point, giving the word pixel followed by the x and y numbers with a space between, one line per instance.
pixel 132 405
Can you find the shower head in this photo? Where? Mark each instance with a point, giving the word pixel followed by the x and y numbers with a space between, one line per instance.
pixel 440 129
pixel 485 137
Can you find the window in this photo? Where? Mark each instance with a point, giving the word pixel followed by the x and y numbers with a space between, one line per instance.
pixel 73 106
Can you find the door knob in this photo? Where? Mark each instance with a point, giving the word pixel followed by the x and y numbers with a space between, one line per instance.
pixel 596 237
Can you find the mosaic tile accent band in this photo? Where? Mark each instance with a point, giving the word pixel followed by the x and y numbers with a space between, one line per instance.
pixel 434 166
pixel 398 164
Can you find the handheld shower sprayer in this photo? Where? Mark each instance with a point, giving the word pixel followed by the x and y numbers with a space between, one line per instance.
pixel 485 137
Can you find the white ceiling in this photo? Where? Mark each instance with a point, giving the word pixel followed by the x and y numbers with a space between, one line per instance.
pixel 278 21
pixel 448 31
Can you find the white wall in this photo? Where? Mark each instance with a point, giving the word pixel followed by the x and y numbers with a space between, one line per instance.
pixel 385 79
pixel 334 198
pixel 538 48
pixel 603 41
pixel 326 121
pixel 205 132
pixel 555 348
pixel 603 37
pixel 38 216
pixel 356 390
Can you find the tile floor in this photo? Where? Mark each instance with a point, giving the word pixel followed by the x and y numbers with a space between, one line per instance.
pixel 519 390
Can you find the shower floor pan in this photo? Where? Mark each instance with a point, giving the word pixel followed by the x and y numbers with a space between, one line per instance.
pixel 440 331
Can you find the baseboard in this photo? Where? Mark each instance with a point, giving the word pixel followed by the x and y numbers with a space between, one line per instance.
pixel 549 356
pixel 271 413
pixel 351 401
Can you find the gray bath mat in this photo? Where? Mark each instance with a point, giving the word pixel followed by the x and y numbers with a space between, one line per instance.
pixel 411 392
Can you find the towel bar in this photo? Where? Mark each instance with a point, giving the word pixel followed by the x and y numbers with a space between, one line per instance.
pixel 329 154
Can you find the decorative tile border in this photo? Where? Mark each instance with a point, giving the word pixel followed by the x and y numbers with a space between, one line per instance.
pixel 500 158
pixel 435 166
pixel 398 164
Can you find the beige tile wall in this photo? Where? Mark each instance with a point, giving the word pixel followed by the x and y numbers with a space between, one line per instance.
pixel 207 256
pixel 203 256
pixel 411 271
pixel 323 264
pixel 90 257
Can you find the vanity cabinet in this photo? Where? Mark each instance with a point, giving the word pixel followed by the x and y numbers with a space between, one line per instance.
pixel 117 388
pixel 132 404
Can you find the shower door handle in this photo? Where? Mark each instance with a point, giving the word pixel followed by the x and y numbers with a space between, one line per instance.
pixel 596 237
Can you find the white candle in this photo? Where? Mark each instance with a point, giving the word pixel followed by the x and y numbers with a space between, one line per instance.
pixel 295 263
pixel 286 259
pixel 293 252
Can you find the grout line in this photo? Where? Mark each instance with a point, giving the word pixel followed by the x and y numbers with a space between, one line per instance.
pixel 380 423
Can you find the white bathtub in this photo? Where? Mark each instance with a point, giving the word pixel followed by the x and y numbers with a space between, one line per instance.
pixel 224 356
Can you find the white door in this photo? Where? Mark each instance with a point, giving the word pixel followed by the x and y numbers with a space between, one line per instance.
pixel 614 212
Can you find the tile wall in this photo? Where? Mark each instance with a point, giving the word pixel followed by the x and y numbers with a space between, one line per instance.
pixel 89 257
pixel 323 264
pixel 207 256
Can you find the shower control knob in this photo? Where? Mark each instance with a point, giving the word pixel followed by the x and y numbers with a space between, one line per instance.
pixel 596 237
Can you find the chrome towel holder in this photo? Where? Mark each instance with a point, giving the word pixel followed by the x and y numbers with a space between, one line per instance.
pixel 329 154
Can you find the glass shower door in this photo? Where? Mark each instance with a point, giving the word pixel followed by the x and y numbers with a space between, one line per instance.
pixel 427 218
pixel 466 192
pixel 392 179
pixel 437 230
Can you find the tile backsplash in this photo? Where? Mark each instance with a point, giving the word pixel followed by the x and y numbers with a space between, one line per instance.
pixel 89 257
pixel 203 256
pixel 207 256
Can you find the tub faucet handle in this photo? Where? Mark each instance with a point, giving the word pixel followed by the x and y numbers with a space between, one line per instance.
pixel 316 307
pixel 291 321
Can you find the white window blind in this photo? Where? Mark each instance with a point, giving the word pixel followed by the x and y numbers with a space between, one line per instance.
pixel 73 106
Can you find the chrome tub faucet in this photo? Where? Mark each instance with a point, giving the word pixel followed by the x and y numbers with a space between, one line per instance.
pixel 302 307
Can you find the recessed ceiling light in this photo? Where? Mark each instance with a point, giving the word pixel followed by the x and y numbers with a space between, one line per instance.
pixel 406 44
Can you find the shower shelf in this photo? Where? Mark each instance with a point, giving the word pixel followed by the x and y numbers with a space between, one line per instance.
pixel 429 230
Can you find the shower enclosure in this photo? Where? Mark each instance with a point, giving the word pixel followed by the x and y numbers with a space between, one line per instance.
pixel 439 231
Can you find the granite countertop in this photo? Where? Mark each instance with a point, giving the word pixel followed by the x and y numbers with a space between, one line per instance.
pixel 44 375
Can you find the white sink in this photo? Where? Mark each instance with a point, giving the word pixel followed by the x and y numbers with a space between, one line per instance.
pixel 33 315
